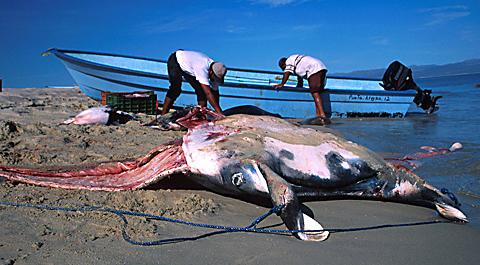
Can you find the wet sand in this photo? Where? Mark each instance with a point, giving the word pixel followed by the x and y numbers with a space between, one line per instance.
pixel 31 136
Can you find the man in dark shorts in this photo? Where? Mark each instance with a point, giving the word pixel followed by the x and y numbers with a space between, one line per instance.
pixel 203 74
pixel 309 68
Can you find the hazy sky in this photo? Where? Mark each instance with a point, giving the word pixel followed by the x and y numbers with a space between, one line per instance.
pixel 345 35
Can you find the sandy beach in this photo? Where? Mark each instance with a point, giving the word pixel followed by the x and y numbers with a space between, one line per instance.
pixel 32 136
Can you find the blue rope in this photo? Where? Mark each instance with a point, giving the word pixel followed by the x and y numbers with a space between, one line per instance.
pixel 452 196
pixel 225 229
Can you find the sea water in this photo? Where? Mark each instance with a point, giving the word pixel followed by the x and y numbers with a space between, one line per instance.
pixel 457 120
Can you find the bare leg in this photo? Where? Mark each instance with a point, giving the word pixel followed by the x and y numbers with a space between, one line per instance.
pixel 319 105
pixel 202 103
pixel 316 82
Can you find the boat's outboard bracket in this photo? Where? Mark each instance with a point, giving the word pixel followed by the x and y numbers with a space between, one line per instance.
pixel 399 77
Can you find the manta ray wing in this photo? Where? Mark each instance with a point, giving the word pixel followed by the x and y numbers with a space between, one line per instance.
pixel 163 161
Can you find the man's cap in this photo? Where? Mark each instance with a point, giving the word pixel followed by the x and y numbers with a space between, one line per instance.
pixel 219 71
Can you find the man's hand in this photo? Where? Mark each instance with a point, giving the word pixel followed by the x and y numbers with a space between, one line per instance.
pixel 277 86
pixel 213 98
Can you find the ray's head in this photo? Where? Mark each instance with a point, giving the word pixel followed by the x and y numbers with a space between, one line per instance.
pixel 405 186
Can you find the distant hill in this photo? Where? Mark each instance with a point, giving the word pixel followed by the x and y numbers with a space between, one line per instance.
pixel 471 66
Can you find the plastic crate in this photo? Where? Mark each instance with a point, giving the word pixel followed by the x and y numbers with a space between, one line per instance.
pixel 129 102
pixel 104 95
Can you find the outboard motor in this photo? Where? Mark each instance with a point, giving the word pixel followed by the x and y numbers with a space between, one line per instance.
pixel 398 77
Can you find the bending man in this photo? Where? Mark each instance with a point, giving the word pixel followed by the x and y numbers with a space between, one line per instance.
pixel 309 68
pixel 203 74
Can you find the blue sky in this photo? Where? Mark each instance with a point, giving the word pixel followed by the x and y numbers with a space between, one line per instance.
pixel 345 35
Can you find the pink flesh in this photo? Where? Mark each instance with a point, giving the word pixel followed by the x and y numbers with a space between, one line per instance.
pixel 197 117
pixel 419 155
pixel 161 162
pixel 90 116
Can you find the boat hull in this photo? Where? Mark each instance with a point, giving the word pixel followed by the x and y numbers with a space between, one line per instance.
pixel 95 73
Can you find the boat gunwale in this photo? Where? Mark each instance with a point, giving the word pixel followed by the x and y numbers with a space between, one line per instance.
pixel 229 68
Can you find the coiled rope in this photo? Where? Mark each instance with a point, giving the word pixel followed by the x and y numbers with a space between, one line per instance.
pixel 224 229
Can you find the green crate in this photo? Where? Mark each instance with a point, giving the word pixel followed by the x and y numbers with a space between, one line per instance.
pixel 124 102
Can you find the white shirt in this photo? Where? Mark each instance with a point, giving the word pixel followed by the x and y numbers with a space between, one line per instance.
pixel 303 65
pixel 196 64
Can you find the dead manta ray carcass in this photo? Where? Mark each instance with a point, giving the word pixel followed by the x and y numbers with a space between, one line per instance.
pixel 259 155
